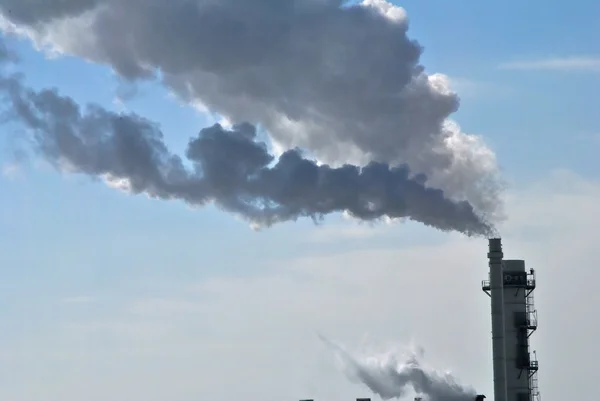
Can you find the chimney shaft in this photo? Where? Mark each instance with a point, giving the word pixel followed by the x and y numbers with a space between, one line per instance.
pixel 495 257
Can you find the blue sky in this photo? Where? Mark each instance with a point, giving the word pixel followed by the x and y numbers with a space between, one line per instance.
pixel 535 120
pixel 69 238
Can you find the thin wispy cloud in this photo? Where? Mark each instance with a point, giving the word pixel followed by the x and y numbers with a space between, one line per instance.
pixel 79 300
pixel 10 170
pixel 469 88
pixel 588 137
pixel 579 63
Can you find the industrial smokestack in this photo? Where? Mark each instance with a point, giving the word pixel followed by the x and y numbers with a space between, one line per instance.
pixel 495 256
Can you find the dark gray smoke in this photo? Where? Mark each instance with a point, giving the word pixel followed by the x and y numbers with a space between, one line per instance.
pixel 391 377
pixel 230 168
pixel 344 83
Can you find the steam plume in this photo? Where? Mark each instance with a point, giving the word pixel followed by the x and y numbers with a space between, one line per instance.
pixel 342 82
pixel 389 377
pixel 230 168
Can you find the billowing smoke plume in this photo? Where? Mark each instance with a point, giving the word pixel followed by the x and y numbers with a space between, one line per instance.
pixel 230 168
pixel 343 83
pixel 390 377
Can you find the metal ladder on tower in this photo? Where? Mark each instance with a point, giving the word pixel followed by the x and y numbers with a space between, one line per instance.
pixel 533 383
pixel 531 312
pixel 532 327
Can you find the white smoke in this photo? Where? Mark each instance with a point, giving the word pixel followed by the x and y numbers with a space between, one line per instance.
pixel 396 374
pixel 342 82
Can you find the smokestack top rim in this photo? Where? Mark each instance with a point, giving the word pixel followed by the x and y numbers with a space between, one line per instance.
pixel 495 248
